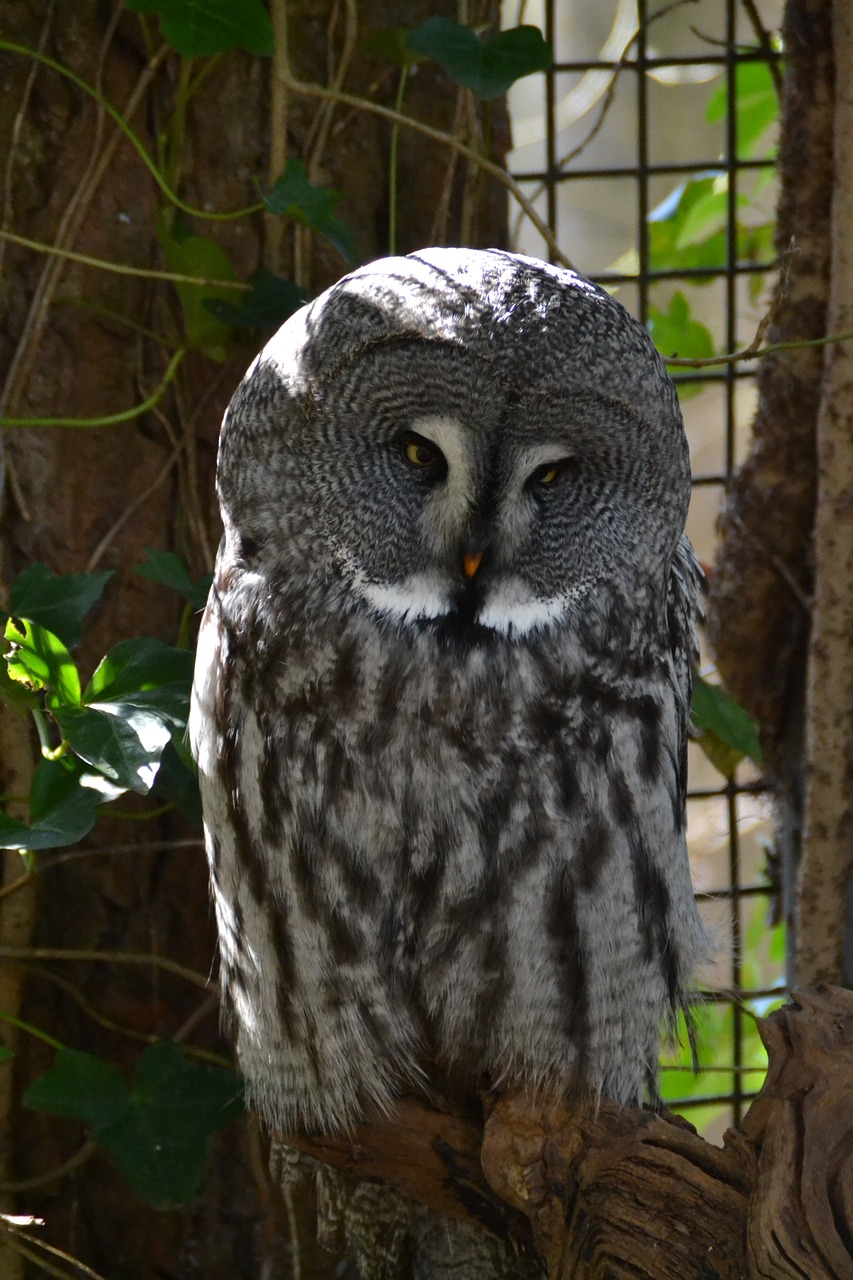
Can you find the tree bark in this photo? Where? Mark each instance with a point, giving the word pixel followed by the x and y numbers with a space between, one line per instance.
pixel 77 342
pixel 616 1193
pixel 761 585
pixel 828 831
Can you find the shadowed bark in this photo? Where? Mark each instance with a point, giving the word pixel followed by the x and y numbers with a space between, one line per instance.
pixel 618 1193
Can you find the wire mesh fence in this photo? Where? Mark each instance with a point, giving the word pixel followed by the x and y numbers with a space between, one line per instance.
pixel 648 146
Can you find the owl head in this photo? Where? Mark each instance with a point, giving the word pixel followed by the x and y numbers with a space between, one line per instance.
pixel 458 439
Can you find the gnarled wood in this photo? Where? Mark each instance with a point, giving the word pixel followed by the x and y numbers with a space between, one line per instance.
pixel 618 1193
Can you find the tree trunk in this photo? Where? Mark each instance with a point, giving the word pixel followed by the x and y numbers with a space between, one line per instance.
pixel 80 342
pixel 618 1193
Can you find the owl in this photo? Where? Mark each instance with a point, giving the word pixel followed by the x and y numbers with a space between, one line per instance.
pixel 442 694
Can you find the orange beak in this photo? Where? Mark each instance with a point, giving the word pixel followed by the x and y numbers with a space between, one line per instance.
pixel 472 563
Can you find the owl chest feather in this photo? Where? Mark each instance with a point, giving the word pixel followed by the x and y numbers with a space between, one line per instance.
pixel 446 851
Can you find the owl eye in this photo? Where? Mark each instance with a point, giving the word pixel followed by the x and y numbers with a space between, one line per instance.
pixel 421 454
pixel 546 474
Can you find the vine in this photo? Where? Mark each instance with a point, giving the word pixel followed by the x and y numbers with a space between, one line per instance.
pixel 121 733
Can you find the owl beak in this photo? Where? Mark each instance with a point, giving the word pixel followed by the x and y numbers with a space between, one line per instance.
pixel 472 562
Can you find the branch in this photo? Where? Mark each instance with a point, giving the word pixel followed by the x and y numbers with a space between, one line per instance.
pixel 828 820
pixel 630 1194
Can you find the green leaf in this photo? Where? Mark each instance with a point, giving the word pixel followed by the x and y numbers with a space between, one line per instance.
pixel 80 1086
pixel 177 782
pixel 38 659
pixel 716 711
pixel 167 568
pixel 147 675
pixel 118 739
pixel 14 694
pixel 706 216
pixel 271 302
pixel 157 1132
pixel 199 28
pixel 62 808
pixel 160 1142
pixel 676 333
pixel 58 602
pixel 192 255
pixel 488 67
pixel 6 1053
pixel 294 196
pixel 392 44
pixel 757 105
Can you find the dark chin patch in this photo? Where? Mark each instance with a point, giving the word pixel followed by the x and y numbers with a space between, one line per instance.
pixel 459 627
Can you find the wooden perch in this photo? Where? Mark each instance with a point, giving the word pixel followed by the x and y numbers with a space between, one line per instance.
pixel 616 1192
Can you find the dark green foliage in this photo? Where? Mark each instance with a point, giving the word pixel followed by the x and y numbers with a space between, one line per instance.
pixel 486 67
pixel 156 1131
pixel 197 28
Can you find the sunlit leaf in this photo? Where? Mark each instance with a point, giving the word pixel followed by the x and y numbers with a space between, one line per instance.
pixel 147 675
pixel 675 332
pixel 756 105
pixel 716 710
pixel 39 660
pixel 118 739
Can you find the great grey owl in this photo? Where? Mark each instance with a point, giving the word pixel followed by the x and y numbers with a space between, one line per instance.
pixel 442 693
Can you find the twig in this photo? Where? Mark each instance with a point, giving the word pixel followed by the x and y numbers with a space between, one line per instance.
pixel 273 225
pixel 70 1165
pixel 753 352
pixel 437 135
pixel 766 44
pixel 109 419
pixel 130 509
pixel 120 268
pixel 108 957
pixel 20 116
pixel 17 1235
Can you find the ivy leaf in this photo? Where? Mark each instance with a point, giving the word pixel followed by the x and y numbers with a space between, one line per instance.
pixel 157 1131
pixel 177 782
pixel 145 675
pixel 294 196
pixel 118 739
pixel 58 602
pixel 271 302
pixel 62 808
pixel 392 44
pixel 706 216
pixel 80 1086
pixel 14 694
pixel 39 660
pixel 169 570
pixel 200 28
pixel 488 67
pixel 756 105
pixel 675 332
pixel 726 731
pixel 192 255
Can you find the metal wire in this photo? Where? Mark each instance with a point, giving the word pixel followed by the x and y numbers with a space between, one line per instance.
pixel 555 181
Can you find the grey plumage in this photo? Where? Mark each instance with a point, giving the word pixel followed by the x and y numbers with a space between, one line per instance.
pixel 445 806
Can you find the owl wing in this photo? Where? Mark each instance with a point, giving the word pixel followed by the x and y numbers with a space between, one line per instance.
pixel 685 611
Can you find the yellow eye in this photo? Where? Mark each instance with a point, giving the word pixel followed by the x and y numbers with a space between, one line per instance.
pixel 419 454
pixel 545 475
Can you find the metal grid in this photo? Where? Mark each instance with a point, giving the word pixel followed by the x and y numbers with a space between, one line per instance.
pixel 553 184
